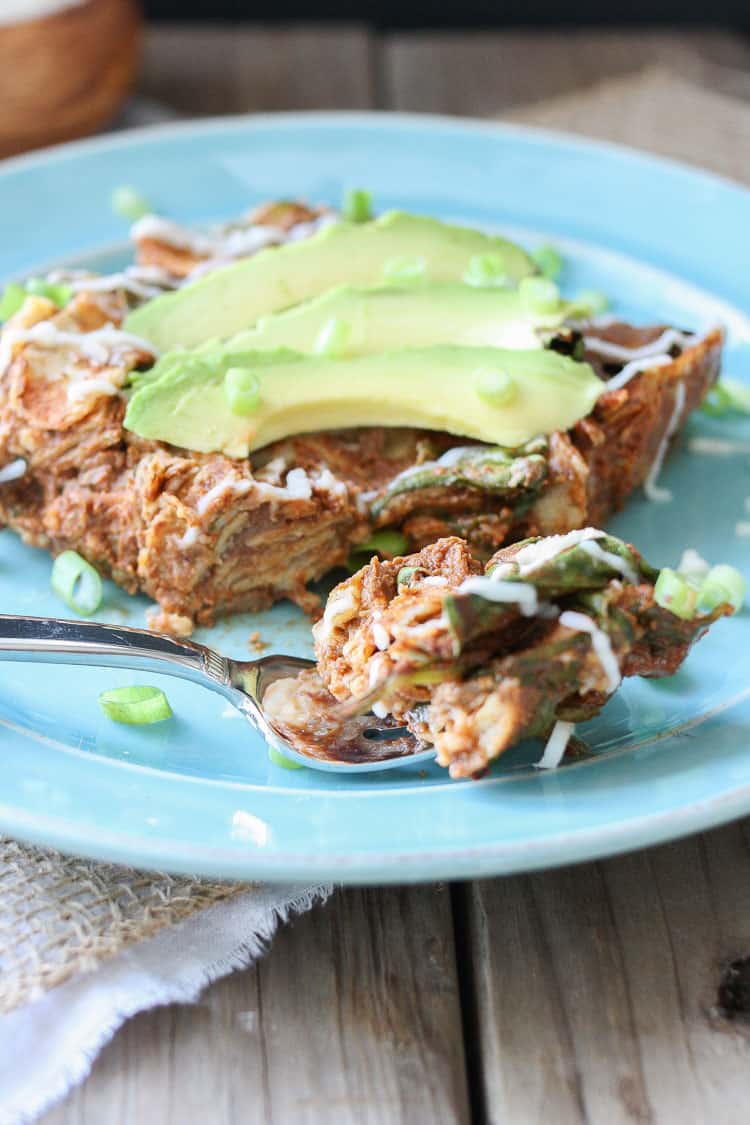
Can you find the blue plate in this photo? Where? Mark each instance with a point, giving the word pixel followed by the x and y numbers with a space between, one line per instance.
pixel 199 794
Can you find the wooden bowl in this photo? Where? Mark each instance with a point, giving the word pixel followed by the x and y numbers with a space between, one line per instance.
pixel 65 74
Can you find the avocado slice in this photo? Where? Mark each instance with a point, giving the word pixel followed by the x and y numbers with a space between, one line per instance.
pixel 232 298
pixel 351 321
pixel 492 394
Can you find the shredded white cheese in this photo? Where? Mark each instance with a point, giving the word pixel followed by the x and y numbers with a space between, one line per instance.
pixel 14 470
pixel 298 484
pixel 341 607
pixel 650 487
pixel 556 745
pixel 325 481
pixel 693 564
pixel 435 580
pixel 379 709
pixel 228 484
pixel 381 636
pixel 189 538
pixel 600 643
pixel 521 593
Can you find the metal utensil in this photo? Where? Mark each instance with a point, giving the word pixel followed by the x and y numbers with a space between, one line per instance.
pixel 370 744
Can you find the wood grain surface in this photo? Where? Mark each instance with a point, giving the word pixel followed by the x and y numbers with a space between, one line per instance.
pixel 585 996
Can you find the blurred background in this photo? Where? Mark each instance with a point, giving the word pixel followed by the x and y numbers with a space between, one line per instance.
pixel 72 67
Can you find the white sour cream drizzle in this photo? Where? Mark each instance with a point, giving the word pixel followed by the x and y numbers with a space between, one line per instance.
pixel 650 487
pixel 718 447
pixel 534 555
pixel 611 560
pixel 635 367
pixel 141 281
pixel 95 346
pixel 521 594
pixel 556 745
pixel 670 338
pixel 600 643
pixel 224 244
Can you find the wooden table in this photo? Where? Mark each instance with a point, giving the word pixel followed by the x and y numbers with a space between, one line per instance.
pixel 589 994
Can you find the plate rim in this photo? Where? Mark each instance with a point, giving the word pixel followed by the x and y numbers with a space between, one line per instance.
pixel 567 846
pixel 370 117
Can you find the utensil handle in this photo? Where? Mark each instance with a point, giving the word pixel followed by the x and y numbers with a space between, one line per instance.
pixel 50 640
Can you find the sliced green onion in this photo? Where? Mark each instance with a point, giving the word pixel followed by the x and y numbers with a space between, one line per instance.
pixel 495 387
pixel 405 575
pixel 385 542
pixel 129 203
pixel 60 294
pixel 357 207
pixel 77 583
pixel 13 297
pixel 539 294
pixel 592 302
pixel 136 705
pixel 242 390
pixel 333 337
pixel 674 593
pixel 722 585
pixel 486 271
pixel 549 260
pixel 404 271
pixel 725 396
pixel 280 759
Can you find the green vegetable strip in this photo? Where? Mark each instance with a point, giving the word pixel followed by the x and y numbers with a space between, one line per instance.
pixel 77 583
pixel 12 299
pixel 357 207
pixel 727 396
pixel 517 473
pixel 60 294
pixel 673 592
pixel 135 705
pixel 385 542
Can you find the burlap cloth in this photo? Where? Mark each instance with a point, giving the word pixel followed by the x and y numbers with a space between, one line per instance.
pixel 61 917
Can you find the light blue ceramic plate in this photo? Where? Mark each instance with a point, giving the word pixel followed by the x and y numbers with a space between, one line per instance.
pixel 198 794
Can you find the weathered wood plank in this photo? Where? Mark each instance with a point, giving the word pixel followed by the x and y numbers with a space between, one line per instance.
pixel 489 73
pixel 596 987
pixel 199 70
pixel 353 1019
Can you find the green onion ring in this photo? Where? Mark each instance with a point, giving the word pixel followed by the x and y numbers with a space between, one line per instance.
pixel 135 705
pixel 77 583
pixel 357 207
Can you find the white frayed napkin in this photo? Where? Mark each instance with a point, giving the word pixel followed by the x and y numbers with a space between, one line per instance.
pixel 49 1044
